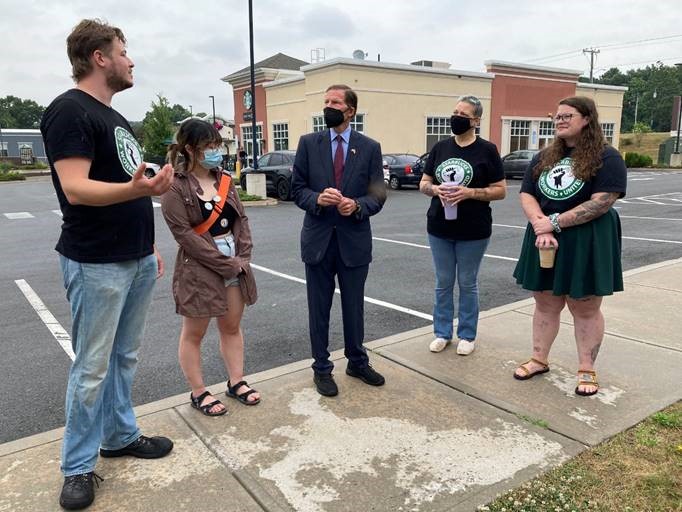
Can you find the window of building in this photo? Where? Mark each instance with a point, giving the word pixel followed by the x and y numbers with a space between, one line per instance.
pixel 318 124
pixel 358 123
pixel 608 129
pixel 546 134
pixel 437 128
pixel 247 138
pixel 520 135
pixel 3 149
pixel 280 133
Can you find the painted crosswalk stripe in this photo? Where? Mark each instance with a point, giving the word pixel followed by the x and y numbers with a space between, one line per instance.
pixel 18 215
pixel 48 318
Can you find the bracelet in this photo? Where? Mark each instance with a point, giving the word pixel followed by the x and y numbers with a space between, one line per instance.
pixel 554 220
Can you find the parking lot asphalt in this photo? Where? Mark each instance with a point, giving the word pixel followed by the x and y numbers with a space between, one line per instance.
pixel 399 288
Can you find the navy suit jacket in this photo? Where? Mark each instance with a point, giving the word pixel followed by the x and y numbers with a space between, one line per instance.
pixel 363 180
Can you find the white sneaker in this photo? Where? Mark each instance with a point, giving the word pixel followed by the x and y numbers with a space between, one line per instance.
pixel 438 345
pixel 465 347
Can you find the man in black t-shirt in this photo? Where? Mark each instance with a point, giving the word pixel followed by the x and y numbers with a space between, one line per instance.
pixel 107 255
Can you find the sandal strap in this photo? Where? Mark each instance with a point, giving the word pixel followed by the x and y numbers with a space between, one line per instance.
pixel 245 394
pixel 198 399
pixel 523 368
pixel 208 407
pixel 233 388
pixel 587 378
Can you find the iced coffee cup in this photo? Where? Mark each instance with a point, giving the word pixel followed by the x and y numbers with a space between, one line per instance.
pixel 450 209
pixel 547 256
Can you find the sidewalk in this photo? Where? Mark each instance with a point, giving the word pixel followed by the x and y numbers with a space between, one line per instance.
pixel 444 433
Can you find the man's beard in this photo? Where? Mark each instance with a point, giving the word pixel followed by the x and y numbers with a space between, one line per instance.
pixel 118 83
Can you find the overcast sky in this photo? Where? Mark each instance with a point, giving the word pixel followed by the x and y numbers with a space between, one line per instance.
pixel 181 48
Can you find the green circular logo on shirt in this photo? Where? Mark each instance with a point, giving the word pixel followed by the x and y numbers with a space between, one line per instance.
pixel 559 183
pixel 129 150
pixel 455 170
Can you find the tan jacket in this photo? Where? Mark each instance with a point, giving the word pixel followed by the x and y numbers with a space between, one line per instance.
pixel 200 268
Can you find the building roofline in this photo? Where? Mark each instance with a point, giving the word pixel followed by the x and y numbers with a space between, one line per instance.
pixel 531 67
pixel 19 131
pixel 283 81
pixel 604 87
pixel 400 67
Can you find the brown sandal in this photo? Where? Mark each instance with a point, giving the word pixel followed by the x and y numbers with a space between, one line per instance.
pixel 587 378
pixel 528 375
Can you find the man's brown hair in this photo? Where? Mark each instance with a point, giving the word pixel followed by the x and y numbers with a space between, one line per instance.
pixel 85 38
pixel 349 96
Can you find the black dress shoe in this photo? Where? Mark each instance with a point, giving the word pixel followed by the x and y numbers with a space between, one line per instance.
pixel 78 491
pixel 143 448
pixel 368 375
pixel 325 384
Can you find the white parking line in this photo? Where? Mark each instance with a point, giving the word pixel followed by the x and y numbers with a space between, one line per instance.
pixel 648 218
pixel 48 318
pixel 156 205
pixel 57 212
pixel 370 300
pixel 18 215
pixel 624 238
pixel 420 246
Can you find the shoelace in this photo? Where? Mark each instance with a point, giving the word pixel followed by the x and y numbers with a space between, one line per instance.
pixel 83 479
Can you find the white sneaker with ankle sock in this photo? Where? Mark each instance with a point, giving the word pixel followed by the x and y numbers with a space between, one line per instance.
pixel 438 345
pixel 465 347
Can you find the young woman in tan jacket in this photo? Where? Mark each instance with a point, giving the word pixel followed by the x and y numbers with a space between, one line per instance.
pixel 212 276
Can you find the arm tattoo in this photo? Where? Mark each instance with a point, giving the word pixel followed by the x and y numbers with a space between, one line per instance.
pixel 589 210
pixel 427 188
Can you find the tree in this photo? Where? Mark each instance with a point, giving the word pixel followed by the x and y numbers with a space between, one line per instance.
pixel 639 129
pixel 178 113
pixel 158 129
pixel 18 113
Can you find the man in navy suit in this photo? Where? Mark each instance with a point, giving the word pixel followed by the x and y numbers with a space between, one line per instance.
pixel 339 182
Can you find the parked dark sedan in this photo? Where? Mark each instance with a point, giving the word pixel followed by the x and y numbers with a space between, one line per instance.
pixel 398 168
pixel 418 167
pixel 516 162
pixel 278 167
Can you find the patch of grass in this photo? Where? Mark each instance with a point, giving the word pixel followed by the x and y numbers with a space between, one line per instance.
pixel 11 176
pixel 243 196
pixel 648 144
pixel 534 421
pixel 639 470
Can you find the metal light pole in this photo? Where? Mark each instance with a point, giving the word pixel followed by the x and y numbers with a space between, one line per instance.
pixel 253 88
pixel 2 147
pixel 679 116
pixel 213 102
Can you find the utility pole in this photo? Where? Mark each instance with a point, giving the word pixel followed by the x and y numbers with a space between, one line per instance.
pixel 636 106
pixel 592 52
pixel 190 111
pixel 213 102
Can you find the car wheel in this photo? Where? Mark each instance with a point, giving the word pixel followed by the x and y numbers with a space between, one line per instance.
pixel 283 190
pixel 394 183
pixel 242 182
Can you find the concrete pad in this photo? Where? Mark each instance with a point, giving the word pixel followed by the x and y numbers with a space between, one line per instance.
pixel 636 379
pixel 31 479
pixel 412 444
pixel 665 278
pixel 629 314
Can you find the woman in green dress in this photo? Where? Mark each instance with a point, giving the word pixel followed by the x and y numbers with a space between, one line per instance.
pixel 567 195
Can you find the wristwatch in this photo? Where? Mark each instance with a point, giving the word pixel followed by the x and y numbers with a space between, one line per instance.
pixel 358 207
pixel 554 220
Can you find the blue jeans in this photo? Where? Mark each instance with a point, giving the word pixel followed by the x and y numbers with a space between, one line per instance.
pixel 109 303
pixel 460 259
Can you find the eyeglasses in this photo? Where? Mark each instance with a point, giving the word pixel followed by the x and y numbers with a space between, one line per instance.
pixel 564 117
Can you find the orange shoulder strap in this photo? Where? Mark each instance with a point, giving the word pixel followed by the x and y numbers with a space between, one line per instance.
pixel 223 189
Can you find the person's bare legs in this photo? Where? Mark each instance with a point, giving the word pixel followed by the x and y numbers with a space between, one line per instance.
pixel 546 320
pixel 588 324
pixel 189 354
pixel 232 341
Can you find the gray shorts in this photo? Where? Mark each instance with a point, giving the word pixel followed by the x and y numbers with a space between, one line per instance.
pixel 226 245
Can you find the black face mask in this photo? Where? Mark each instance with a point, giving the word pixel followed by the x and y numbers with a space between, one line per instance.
pixel 333 117
pixel 460 124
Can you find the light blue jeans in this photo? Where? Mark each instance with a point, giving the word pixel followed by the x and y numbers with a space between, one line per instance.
pixel 109 303
pixel 459 259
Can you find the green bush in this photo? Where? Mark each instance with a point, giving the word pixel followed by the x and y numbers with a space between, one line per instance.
pixel 5 167
pixel 11 176
pixel 638 160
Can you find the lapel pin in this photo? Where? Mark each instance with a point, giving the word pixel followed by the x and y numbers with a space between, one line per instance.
pixel 352 150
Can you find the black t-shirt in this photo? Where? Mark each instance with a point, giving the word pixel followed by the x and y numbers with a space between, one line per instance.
pixel 223 224
pixel 475 166
pixel 558 191
pixel 77 125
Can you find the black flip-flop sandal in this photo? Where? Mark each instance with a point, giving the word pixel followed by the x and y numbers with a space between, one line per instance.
pixel 206 409
pixel 242 397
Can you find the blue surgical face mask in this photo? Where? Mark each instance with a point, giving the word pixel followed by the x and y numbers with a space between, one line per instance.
pixel 212 158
